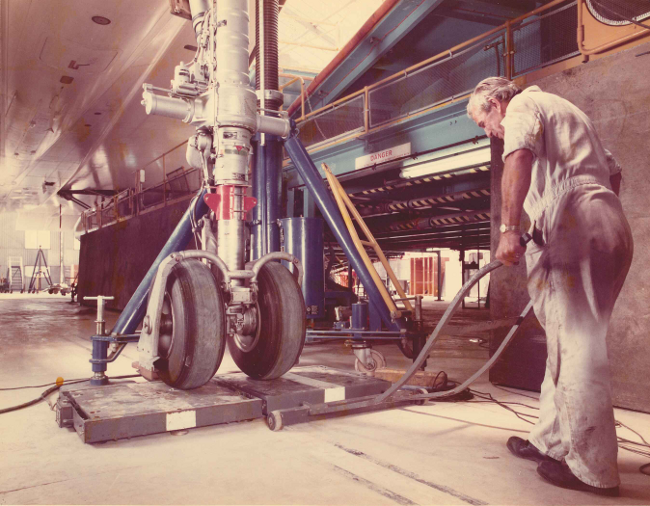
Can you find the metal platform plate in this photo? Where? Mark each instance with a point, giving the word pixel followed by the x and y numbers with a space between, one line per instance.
pixel 119 411
pixel 310 384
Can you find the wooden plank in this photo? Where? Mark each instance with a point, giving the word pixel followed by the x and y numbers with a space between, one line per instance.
pixel 427 379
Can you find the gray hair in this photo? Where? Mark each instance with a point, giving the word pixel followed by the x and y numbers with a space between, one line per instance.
pixel 492 87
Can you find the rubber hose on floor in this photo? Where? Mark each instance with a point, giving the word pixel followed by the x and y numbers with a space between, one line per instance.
pixel 451 309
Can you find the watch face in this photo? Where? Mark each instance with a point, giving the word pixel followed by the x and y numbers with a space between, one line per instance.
pixel 502 228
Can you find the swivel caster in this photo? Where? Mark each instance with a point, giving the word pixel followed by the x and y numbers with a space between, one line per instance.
pixel 274 421
pixel 370 364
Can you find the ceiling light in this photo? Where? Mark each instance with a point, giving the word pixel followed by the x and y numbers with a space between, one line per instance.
pixel 101 20
pixel 466 159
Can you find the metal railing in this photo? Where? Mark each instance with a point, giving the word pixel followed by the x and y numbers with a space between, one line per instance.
pixel 519 46
pixel 545 39
pixel 175 186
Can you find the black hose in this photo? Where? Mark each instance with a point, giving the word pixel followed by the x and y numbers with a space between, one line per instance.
pixel 424 353
pixel 51 390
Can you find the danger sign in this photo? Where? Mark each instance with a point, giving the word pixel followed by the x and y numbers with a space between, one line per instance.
pixel 382 156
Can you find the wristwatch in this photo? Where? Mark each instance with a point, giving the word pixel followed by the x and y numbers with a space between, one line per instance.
pixel 508 228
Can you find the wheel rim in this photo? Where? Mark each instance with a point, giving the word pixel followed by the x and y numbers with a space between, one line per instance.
pixel 247 342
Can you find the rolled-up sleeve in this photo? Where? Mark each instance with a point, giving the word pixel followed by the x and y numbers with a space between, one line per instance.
pixel 523 127
pixel 612 164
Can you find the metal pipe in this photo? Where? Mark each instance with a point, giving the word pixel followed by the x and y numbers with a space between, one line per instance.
pixel 258 231
pixel 273 162
pixel 314 182
pixel 170 107
pixel 198 8
pixel 136 308
pixel 439 275
pixel 275 126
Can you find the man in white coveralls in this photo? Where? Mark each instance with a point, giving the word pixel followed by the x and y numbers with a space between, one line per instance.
pixel 558 171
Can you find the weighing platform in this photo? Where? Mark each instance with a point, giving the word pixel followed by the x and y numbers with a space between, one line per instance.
pixel 129 409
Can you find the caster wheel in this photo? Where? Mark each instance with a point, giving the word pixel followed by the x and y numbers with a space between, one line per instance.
pixel 192 327
pixel 377 362
pixel 274 421
pixel 281 327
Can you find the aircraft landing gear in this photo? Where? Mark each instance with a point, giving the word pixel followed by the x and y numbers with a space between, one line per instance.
pixel 191 342
pixel 259 311
pixel 273 347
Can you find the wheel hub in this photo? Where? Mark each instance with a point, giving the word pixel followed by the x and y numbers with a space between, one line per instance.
pixel 246 329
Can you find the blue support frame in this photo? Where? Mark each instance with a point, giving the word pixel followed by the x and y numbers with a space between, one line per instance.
pixel 136 308
pixel 267 189
pixel 388 32
pixel 314 182
pixel 437 129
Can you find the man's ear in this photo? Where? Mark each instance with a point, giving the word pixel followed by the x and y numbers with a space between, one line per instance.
pixel 496 104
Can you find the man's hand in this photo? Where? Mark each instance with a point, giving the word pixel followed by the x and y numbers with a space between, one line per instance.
pixel 510 249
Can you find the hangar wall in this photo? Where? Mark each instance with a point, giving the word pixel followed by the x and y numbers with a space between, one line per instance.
pixel 115 259
pixel 12 244
pixel 613 91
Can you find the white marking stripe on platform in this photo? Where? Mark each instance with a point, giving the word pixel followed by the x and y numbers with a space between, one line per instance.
pixel 333 392
pixel 181 420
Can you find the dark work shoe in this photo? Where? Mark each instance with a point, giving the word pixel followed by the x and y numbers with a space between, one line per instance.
pixel 559 474
pixel 525 450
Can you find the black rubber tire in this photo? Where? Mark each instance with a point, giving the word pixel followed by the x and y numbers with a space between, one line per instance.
pixel 198 329
pixel 282 326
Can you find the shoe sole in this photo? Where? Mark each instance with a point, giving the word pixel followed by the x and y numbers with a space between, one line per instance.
pixel 537 460
pixel 580 486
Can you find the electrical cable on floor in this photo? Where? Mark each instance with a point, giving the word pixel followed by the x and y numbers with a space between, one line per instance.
pixel 51 390
pixel 44 385
pixel 516 393
pixel 518 414
pixel 639 448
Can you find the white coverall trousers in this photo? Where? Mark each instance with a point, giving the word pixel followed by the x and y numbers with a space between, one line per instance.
pixel 574 280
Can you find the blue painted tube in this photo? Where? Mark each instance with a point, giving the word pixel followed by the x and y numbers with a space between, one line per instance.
pixel 359 316
pixel 100 352
pixel 267 188
pixel 314 182
pixel 273 163
pixel 303 238
pixel 258 230
pixel 135 310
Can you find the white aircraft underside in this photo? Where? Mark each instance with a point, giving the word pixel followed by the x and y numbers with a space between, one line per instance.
pixel 91 133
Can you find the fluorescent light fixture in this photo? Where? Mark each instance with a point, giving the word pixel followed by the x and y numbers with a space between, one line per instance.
pixel 471 158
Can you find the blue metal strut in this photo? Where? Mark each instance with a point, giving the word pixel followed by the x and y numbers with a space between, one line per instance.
pixel 314 182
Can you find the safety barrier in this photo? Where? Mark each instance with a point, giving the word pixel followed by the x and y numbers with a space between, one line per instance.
pixel 535 40
pixel 176 185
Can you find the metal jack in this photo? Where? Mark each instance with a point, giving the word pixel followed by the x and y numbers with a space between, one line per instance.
pixel 100 348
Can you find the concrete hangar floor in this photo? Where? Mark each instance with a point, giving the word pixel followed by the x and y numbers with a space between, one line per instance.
pixel 436 453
